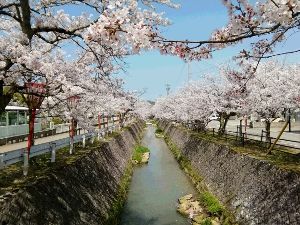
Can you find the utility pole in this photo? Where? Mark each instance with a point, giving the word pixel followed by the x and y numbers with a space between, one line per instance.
pixel 168 88
pixel 189 72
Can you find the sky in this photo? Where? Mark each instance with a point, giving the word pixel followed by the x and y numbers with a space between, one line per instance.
pixel 195 20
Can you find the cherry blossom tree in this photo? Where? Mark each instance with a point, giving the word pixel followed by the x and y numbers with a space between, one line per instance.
pixel 142 109
pixel 32 33
pixel 272 90
pixel 266 23
pixel 164 108
pixel 189 105
pixel 225 98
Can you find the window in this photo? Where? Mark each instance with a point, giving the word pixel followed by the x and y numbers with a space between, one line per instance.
pixel 12 118
pixel 3 119
pixel 22 117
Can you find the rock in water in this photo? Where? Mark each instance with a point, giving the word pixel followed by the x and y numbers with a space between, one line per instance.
pixel 188 206
pixel 185 198
pixel 215 221
pixel 183 208
pixel 198 219
pixel 145 157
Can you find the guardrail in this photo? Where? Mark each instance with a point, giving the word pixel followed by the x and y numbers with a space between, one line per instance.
pixel 15 156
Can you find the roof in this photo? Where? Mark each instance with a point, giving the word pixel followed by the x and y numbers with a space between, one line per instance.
pixel 11 108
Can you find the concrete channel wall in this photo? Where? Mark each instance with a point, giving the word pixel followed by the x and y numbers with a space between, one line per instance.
pixel 258 192
pixel 83 192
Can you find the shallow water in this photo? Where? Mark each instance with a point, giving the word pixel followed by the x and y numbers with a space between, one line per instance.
pixel 155 187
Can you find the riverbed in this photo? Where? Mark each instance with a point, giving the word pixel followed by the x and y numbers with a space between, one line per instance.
pixel 155 187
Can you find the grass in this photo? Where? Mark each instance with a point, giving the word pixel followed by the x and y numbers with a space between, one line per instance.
pixel 206 222
pixel 211 203
pixel 12 178
pixel 138 153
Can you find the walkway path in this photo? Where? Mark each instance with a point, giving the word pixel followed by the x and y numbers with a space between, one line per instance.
pixel 15 146
pixel 275 130
pixel 155 188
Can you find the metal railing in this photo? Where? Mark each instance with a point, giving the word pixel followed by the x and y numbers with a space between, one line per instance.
pixel 15 156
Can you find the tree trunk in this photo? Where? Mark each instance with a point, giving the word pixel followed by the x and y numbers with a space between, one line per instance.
pixel 5 97
pixel 30 141
pixel 72 134
pixel 199 125
pixel 268 131
pixel 223 123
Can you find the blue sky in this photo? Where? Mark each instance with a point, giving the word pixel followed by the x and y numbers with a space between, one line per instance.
pixel 195 20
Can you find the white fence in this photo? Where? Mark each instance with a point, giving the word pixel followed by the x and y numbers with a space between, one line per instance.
pixel 15 156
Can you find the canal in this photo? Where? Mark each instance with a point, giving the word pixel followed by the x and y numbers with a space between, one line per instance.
pixel 155 187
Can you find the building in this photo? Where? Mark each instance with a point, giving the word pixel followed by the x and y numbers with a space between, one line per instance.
pixel 14 122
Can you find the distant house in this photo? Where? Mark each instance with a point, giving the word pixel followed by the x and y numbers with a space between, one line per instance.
pixel 14 122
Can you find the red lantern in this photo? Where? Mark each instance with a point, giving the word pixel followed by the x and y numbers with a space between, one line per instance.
pixel 35 94
pixel 73 100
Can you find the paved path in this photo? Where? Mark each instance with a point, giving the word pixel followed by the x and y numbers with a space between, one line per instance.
pixel 15 146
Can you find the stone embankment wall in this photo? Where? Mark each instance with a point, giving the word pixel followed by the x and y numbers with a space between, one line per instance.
pixel 84 192
pixel 259 193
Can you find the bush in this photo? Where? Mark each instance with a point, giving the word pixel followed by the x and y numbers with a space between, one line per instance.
pixel 57 120
pixel 138 153
pixel 158 131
